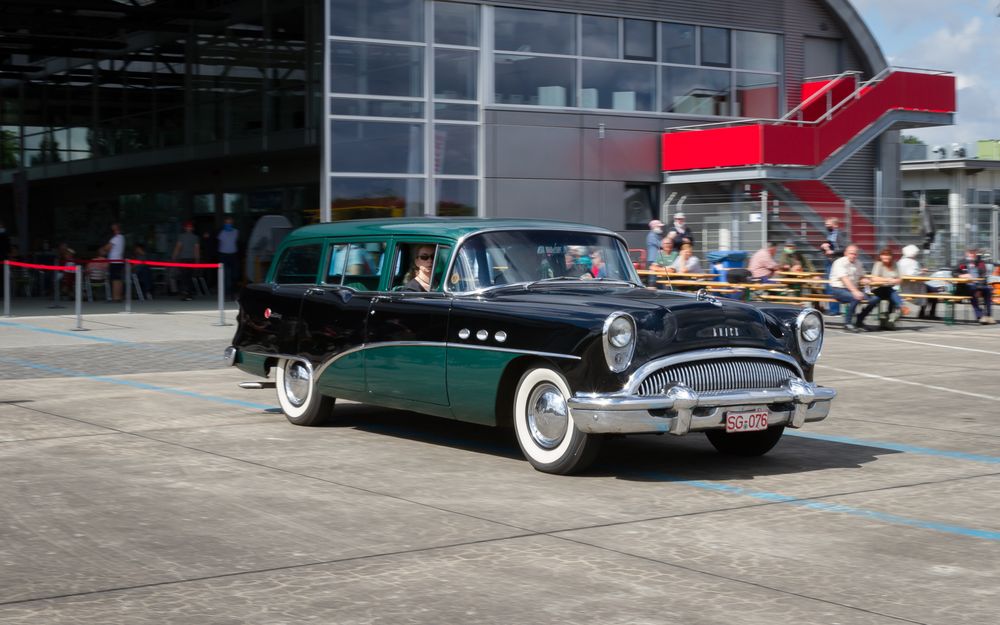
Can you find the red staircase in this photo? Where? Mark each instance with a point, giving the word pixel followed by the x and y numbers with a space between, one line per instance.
pixel 826 203
pixel 837 117
pixel 816 132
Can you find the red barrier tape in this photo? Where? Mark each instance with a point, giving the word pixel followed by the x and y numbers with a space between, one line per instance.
pixel 157 263
pixel 14 263
pixel 104 261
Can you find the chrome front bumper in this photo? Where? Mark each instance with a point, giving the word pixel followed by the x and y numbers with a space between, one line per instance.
pixel 681 409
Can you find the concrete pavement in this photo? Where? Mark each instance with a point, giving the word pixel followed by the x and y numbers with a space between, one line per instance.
pixel 141 485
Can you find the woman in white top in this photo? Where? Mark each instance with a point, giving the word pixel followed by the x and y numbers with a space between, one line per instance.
pixel 686 261
pixel 908 265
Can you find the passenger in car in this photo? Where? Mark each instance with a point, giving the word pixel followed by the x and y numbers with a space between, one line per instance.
pixel 576 264
pixel 418 278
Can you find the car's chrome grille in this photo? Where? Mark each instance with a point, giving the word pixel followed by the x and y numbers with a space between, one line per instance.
pixel 719 375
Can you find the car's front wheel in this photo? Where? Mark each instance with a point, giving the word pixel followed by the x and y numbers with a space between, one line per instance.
pixel 297 394
pixel 544 425
pixel 745 443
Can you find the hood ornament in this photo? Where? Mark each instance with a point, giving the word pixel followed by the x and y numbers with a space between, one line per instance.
pixel 703 296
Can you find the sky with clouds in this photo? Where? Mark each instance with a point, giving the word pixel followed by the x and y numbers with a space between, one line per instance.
pixel 960 36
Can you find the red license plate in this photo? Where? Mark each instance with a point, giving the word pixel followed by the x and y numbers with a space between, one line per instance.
pixel 747 420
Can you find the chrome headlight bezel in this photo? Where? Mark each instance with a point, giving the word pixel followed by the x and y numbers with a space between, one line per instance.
pixel 809 322
pixel 618 357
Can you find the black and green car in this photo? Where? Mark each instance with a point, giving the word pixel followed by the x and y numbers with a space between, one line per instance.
pixel 541 326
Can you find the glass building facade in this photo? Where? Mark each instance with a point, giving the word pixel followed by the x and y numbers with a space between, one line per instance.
pixel 161 111
pixel 409 81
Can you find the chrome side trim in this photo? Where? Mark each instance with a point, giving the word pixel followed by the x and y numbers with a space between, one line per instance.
pixel 510 350
pixel 367 346
pixel 304 361
pixel 715 353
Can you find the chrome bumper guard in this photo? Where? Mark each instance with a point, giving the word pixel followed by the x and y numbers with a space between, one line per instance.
pixel 229 356
pixel 682 409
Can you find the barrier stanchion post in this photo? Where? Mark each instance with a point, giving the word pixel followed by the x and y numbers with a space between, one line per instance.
pixel 6 289
pixel 128 286
pixel 78 288
pixel 222 296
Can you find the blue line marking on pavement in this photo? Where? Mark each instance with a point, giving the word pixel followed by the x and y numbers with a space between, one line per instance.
pixel 911 449
pixel 133 384
pixel 98 339
pixel 76 335
pixel 823 506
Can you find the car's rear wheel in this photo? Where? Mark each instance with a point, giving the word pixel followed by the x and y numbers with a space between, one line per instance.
pixel 745 443
pixel 297 394
pixel 544 425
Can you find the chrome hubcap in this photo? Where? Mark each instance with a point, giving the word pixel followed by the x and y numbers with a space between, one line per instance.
pixel 297 383
pixel 548 416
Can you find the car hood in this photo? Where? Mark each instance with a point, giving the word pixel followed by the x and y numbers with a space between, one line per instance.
pixel 667 322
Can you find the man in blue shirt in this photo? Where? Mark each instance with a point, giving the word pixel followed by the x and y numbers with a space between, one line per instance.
pixel 653 241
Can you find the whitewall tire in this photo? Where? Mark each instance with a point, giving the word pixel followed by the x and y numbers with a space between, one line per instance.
pixel 543 425
pixel 297 394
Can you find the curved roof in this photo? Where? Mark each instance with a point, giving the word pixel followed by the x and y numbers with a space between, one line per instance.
pixel 858 30
pixel 448 227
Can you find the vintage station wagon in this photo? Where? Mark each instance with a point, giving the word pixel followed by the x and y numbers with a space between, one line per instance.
pixel 538 325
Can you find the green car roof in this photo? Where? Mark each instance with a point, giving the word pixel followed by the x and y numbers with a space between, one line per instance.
pixel 448 227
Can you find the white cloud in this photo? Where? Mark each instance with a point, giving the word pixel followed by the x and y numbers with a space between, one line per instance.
pixel 969 50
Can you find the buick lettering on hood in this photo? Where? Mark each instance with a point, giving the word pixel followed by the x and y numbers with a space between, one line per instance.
pixel 540 326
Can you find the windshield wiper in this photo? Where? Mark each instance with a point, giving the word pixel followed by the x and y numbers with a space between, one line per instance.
pixel 553 279
pixel 580 279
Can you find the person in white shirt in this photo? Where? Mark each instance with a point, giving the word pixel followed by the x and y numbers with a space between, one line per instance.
pixel 847 277
pixel 114 250
pixel 908 265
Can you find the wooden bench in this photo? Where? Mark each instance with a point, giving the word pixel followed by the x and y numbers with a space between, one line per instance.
pixel 798 299
pixel 949 299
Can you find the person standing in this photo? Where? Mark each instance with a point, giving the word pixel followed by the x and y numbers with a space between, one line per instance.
pixel 833 248
pixel 680 233
pixel 187 250
pixel 228 239
pixel 115 253
pixel 653 239
pixel 4 251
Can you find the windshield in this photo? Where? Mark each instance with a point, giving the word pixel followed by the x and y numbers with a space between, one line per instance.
pixel 497 258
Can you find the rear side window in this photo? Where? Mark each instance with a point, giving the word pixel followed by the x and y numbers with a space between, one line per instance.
pixel 299 264
pixel 356 265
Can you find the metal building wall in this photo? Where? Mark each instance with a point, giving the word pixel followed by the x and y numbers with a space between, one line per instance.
pixel 574 166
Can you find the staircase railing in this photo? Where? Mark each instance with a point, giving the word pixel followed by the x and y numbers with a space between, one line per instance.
pixel 787 118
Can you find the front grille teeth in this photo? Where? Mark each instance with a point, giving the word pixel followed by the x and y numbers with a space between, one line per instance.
pixel 719 375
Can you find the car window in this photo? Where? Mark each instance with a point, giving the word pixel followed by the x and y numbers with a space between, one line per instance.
pixel 299 264
pixel 356 265
pixel 496 258
pixel 405 266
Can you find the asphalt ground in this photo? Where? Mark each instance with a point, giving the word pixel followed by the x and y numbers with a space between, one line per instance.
pixel 139 484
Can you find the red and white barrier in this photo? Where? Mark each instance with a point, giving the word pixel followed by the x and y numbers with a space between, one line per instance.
pixel 77 269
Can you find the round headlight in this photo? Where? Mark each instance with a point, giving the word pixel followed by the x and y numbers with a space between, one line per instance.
pixel 811 328
pixel 620 332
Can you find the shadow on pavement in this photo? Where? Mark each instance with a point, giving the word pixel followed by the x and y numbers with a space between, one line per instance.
pixel 638 457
